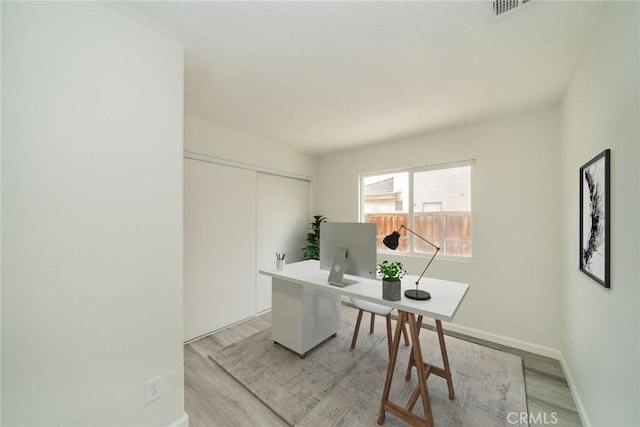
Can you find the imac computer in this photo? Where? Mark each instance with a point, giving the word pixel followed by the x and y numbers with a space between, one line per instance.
pixel 348 248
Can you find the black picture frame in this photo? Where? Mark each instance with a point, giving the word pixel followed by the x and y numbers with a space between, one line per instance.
pixel 595 218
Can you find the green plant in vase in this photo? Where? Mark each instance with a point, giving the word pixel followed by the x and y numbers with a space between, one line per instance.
pixel 312 250
pixel 392 274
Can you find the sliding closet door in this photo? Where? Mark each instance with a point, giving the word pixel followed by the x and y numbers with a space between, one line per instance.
pixel 219 246
pixel 282 221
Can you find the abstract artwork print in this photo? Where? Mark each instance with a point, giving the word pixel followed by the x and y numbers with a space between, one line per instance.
pixel 595 218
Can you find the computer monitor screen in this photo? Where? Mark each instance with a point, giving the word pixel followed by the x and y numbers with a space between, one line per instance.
pixel 358 238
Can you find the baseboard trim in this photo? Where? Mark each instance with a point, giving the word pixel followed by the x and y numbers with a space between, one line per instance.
pixel 183 421
pixel 500 339
pixel 574 392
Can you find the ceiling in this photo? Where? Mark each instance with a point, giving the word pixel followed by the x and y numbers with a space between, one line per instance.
pixel 328 76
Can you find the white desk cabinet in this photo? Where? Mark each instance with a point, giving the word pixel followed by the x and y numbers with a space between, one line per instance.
pixel 303 317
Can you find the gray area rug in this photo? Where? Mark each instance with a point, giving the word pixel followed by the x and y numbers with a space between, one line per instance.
pixel 337 386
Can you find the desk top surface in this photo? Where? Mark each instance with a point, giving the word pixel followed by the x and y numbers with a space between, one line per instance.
pixel 446 296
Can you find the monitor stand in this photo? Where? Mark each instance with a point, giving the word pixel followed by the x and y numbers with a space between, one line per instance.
pixel 336 276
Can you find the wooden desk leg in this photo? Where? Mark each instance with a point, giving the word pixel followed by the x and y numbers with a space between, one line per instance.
pixel 445 371
pixel 405 413
pixel 402 316
pixel 407 376
pixel 445 359
pixel 422 378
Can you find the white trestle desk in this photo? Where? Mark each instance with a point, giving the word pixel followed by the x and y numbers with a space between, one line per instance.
pixel 306 310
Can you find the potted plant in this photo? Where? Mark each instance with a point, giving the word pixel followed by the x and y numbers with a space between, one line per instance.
pixel 392 273
pixel 312 250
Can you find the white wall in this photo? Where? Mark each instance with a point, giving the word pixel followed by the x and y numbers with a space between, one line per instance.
pixel 0 215
pixel 212 139
pixel 92 218
pixel 206 137
pixel 601 110
pixel 514 275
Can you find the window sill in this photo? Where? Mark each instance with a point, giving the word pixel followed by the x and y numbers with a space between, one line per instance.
pixel 440 257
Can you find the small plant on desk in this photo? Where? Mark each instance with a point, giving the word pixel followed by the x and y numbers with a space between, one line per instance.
pixel 392 273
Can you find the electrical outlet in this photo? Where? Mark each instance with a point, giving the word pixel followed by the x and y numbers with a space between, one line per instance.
pixel 153 389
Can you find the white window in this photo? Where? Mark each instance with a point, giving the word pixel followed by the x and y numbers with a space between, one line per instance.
pixel 433 201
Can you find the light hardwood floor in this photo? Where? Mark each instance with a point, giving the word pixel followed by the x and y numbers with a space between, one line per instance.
pixel 214 398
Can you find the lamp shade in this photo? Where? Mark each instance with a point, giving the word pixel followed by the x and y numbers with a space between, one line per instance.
pixel 392 240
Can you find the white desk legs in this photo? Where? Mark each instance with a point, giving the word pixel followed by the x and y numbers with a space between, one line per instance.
pixel 424 370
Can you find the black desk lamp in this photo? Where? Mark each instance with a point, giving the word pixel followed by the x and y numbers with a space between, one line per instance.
pixel 392 241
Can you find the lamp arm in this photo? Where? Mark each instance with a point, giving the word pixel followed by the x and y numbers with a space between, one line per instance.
pixel 425 269
pixel 434 254
pixel 416 234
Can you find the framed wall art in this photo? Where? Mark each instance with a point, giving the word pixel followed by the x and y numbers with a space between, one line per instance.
pixel 595 219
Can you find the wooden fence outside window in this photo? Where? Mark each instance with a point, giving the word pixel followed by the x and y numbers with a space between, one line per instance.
pixel 451 231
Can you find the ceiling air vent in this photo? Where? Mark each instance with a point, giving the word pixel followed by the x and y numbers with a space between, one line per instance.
pixel 501 7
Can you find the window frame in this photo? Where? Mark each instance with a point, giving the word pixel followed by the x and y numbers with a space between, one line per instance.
pixel 411 171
